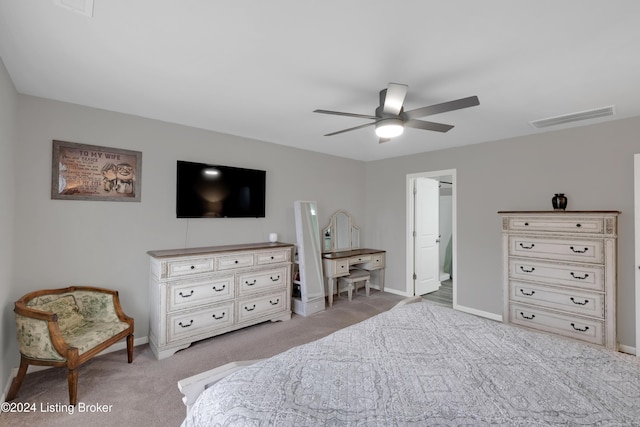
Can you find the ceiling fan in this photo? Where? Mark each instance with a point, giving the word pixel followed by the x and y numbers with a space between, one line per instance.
pixel 390 119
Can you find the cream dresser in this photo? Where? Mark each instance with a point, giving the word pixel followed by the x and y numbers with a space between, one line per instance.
pixel 560 273
pixel 202 292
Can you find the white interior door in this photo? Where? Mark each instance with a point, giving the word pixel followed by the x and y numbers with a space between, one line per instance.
pixel 426 236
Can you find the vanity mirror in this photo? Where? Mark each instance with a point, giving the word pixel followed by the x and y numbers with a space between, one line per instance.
pixel 342 234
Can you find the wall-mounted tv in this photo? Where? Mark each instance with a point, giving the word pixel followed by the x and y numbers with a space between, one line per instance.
pixel 213 191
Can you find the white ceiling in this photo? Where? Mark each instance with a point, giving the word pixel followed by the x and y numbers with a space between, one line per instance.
pixel 259 68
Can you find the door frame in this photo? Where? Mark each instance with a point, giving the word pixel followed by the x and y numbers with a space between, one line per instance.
pixel 636 186
pixel 409 228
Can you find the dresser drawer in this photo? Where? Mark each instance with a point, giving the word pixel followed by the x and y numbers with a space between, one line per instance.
pixel 234 261
pixel 360 259
pixel 189 266
pixel 582 328
pixel 565 299
pixel 203 321
pixel 557 249
pixel 576 275
pixel 264 258
pixel 564 224
pixel 195 292
pixel 249 308
pixel 257 281
pixel 376 262
pixel 336 267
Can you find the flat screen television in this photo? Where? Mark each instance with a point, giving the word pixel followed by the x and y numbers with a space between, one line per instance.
pixel 214 191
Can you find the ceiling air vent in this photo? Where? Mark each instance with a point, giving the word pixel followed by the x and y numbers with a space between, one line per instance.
pixel 574 117
pixel 83 7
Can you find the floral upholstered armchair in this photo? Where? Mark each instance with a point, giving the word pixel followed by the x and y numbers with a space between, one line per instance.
pixel 66 327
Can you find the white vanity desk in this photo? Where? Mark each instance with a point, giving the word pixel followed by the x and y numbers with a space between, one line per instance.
pixel 336 264
pixel 341 251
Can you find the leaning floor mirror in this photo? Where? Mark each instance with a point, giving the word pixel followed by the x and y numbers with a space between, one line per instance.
pixel 309 260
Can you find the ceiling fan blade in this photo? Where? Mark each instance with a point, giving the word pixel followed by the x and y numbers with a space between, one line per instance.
pixel 458 104
pixel 350 129
pixel 394 98
pixel 383 140
pixel 338 113
pixel 424 125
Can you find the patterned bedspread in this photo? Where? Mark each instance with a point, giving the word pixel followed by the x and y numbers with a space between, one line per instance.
pixel 423 364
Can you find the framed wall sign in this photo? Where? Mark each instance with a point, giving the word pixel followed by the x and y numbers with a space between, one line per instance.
pixel 91 172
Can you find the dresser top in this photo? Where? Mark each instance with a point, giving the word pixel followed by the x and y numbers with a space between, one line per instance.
pixel 215 249
pixel 350 253
pixel 559 212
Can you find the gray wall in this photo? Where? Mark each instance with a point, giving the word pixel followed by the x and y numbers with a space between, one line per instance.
pixel 8 107
pixel 593 165
pixel 58 243
pixel 64 242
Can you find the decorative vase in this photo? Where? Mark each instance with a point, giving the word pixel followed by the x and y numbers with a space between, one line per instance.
pixel 559 202
pixel 273 237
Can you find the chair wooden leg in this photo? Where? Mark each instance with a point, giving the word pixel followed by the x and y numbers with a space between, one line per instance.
pixel 17 381
pixel 366 286
pixel 130 348
pixel 72 380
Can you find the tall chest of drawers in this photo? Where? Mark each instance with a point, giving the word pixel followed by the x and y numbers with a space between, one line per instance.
pixel 560 273
pixel 202 292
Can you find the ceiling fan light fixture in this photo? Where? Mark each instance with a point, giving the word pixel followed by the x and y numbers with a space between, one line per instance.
pixel 389 128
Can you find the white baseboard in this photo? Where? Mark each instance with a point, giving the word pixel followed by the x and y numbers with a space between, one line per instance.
pixel 392 291
pixel 628 349
pixel 486 314
pixel 35 368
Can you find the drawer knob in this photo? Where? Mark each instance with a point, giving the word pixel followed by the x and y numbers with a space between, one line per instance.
pixel 235 262
pixel 250 309
pixel 275 303
pixel 219 290
pixel 276 279
pixel 527 247
pixel 579 225
pixel 193 267
pixel 218 317
pixel 186 296
pixel 578 251
pixel 186 326
pixel 246 282
pixel 526 224
pixel 531 270
pixel 579 277
pixel 579 303
pixel 272 257
pixel 528 294
pixel 527 317
pixel 585 329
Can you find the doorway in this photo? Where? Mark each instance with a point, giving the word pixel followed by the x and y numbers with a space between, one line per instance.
pixel 431 196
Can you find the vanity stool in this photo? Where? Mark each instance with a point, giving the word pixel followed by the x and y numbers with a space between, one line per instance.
pixel 351 281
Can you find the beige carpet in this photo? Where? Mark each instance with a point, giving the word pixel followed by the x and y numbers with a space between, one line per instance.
pixel 145 393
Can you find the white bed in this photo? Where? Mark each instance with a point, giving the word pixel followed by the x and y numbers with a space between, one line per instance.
pixel 423 364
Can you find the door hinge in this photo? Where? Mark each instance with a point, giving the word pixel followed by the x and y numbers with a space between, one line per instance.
pixel 415 276
pixel 414 233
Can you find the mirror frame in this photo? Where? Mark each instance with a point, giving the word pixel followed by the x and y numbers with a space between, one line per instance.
pixel 328 232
